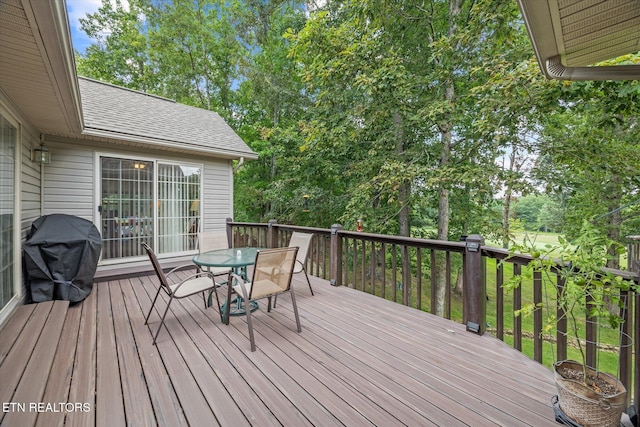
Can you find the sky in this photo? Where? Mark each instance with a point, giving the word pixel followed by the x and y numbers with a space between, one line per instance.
pixel 77 9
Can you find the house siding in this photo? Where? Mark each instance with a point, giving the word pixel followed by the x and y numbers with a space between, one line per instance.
pixel 30 183
pixel 217 196
pixel 40 93
pixel 70 181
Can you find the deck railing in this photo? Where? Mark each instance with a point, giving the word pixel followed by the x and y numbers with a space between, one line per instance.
pixel 406 270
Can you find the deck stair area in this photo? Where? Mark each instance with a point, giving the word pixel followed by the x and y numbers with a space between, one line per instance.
pixel 360 360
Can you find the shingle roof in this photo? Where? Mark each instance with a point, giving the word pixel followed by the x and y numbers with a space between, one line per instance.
pixel 119 113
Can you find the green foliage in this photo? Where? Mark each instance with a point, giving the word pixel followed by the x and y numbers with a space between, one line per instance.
pixel 585 151
pixel 416 117
pixel 121 54
pixel 539 213
pixel 589 293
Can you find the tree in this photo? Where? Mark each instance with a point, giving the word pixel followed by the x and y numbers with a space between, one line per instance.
pixel 121 54
pixel 196 52
pixel 392 85
pixel 271 106
pixel 587 146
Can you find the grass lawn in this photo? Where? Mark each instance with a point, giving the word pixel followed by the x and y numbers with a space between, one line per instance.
pixel 539 240
pixel 607 359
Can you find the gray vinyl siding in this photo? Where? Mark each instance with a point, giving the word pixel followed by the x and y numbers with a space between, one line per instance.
pixel 217 196
pixel 30 186
pixel 68 180
pixel 30 203
pixel 71 181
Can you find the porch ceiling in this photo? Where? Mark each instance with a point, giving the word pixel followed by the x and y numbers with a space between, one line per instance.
pixel 570 36
pixel 37 64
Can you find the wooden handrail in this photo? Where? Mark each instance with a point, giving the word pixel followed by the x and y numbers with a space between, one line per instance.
pixel 395 267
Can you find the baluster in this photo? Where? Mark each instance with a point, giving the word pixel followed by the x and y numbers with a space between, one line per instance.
pixel 499 301
pixel 537 317
pixel 517 305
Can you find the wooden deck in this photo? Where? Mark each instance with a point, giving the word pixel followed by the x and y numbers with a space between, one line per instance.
pixel 360 360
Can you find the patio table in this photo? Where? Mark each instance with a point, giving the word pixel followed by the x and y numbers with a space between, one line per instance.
pixel 237 259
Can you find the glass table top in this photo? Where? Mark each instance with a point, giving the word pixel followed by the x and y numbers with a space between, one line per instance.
pixel 233 257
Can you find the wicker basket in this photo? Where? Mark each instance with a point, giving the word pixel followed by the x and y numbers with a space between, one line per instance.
pixel 583 405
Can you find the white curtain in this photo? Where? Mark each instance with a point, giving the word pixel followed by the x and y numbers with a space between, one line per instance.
pixel 178 189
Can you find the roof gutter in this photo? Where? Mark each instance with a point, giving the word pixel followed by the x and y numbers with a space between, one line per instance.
pixel 555 70
pixel 542 21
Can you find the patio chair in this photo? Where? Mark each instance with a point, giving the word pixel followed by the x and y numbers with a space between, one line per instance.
pixel 196 283
pixel 209 241
pixel 271 276
pixel 212 240
pixel 302 241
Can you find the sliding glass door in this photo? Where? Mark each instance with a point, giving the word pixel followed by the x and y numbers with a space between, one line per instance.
pixel 8 141
pixel 127 206
pixel 147 201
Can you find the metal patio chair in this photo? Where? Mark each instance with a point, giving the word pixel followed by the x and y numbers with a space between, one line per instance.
pixel 209 241
pixel 212 240
pixel 196 283
pixel 302 241
pixel 271 277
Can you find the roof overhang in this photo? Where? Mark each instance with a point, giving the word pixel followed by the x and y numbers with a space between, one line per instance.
pixel 38 67
pixel 150 143
pixel 571 36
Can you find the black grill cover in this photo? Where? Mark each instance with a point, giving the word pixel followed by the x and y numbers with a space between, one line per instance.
pixel 61 256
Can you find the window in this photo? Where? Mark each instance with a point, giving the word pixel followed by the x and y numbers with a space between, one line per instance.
pixel 8 140
pixel 130 189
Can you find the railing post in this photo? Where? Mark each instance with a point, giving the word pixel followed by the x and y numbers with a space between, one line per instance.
pixel 633 256
pixel 272 234
pixel 636 337
pixel 229 232
pixel 626 344
pixel 335 256
pixel 475 286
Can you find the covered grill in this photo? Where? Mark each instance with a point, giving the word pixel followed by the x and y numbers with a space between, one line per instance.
pixel 61 256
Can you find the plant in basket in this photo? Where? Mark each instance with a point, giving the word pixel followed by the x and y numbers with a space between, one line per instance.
pixel 588 294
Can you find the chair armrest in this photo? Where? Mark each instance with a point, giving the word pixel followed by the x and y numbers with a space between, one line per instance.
pixel 194 276
pixel 239 278
pixel 182 267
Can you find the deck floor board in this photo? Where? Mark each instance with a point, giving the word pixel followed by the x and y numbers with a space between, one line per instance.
pixel 60 376
pixel 359 360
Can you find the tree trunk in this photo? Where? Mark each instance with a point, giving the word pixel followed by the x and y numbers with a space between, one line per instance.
pixel 443 228
pixel 613 199
pixel 404 222
pixel 446 128
pixel 458 289
pixel 404 188
pixel 505 219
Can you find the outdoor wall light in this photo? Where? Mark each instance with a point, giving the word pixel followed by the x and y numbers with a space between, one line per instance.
pixel 41 154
